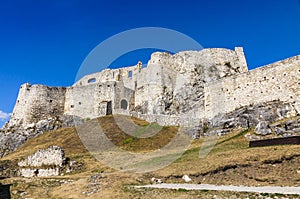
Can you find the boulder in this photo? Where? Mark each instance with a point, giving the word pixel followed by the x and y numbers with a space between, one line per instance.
pixel 186 178
pixel 263 128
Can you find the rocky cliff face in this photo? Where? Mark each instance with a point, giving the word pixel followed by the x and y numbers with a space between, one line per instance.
pixel 272 119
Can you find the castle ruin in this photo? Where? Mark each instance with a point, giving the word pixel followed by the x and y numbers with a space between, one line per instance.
pixel 178 89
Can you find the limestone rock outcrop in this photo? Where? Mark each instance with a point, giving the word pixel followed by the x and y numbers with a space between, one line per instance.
pixel 270 118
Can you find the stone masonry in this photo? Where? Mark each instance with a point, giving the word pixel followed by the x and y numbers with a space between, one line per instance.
pixel 43 163
pixel 179 89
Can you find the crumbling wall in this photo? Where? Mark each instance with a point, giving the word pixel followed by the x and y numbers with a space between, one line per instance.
pixel 85 101
pixel 174 84
pixel 38 102
pixel 47 162
pixel 92 95
pixel 277 81
pixel 126 74
pixel 53 156
pixel 123 99
pixel 195 84
pixel 28 172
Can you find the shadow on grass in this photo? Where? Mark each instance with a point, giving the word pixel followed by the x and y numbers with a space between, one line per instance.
pixel 5 191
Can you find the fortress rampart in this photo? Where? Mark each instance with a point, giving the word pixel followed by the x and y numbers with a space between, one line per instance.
pixel 171 90
pixel 36 102
pixel 277 81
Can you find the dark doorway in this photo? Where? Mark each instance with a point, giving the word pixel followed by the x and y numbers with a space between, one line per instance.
pixel 109 108
pixel 124 104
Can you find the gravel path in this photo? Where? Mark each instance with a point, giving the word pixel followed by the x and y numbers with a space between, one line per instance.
pixel 264 189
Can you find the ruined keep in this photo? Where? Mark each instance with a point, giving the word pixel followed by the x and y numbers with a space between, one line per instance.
pixel 179 89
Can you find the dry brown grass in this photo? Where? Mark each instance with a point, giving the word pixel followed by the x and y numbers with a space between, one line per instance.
pixel 231 149
pixel 66 138
pixel 131 143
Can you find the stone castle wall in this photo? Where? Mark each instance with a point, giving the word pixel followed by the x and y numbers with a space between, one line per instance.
pixel 38 102
pixel 127 75
pixel 177 79
pixel 277 81
pixel 89 97
pixel 92 100
pixel 211 81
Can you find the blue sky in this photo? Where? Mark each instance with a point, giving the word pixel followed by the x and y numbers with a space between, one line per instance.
pixel 46 41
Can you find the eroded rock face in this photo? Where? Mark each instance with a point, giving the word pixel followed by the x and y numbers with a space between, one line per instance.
pixel 260 116
pixel 286 127
pixel 263 128
pixel 12 136
pixel 250 116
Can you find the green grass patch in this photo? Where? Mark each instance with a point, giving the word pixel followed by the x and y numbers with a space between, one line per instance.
pixel 182 190
pixel 128 140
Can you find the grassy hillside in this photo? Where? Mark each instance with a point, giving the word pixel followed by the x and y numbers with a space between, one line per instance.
pixel 231 161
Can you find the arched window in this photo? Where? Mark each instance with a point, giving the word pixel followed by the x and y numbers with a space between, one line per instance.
pixel 124 104
pixel 92 80
pixel 130 74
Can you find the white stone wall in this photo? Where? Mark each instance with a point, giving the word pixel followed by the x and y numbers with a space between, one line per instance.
pixel 38 102
pixel 277 81
pixel 149 86
pixel 80 100
pixel 183 120
pixel 88 99
pixel 241 58
pixel 37 163
pixel 215 80
pixel 168 75
pixel 53 156
pixel 107 75
pixel 21 105
pixel 28 173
